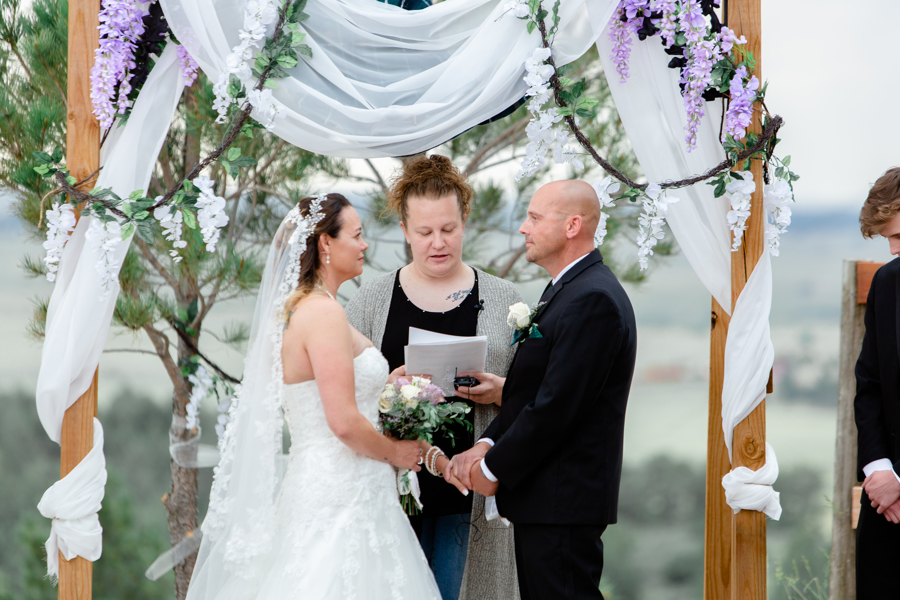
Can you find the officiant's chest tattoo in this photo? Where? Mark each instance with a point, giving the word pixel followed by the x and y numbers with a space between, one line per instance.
pixel 459 295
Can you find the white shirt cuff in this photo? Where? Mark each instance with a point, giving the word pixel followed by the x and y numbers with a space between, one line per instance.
pixel 882 464
pixel 491 442
pixel 487 472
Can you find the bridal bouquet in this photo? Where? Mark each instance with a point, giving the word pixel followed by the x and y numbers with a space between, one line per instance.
pixel 415 409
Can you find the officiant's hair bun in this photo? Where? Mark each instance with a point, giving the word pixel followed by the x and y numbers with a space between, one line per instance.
pixel 882 205
pixel 429 177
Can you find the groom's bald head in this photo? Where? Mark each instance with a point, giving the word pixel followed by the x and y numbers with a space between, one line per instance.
pixel 562 219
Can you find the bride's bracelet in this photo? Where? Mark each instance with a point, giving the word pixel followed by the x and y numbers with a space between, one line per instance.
pixel 431 460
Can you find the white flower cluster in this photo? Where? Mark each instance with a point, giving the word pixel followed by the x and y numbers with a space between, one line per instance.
pixel 738 192
pixel 60 224
pixel 543 130
pixel 519 8
pixel 224 409
pixel 201 384
pixel 171 222
pixel 211 212
pixel 103 239
pixel 604 188
pixel 650 223
pixel 258 14
pixel 777 198
pixel 267 108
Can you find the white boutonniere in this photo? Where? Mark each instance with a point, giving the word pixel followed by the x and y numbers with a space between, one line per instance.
pixel 521 319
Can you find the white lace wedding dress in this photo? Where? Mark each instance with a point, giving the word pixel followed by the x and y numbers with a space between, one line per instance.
pixel 341 531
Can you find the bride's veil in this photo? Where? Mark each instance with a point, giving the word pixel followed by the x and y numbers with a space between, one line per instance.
pixel 240 525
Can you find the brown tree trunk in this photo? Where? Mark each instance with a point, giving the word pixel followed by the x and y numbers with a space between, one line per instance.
pixel 191 155
pixel 181 501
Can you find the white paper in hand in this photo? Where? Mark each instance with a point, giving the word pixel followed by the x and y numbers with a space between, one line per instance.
pixel 443 356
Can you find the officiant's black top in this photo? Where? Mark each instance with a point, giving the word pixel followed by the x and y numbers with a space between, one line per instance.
pixel 438 497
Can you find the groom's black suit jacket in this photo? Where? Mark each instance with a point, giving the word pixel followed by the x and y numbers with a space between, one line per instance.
pixel 877 405
pixel 558 438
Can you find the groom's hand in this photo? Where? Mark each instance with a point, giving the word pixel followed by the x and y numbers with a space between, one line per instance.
pixel 482 484
pixel 883 489
pixel 892 513
pixel 461 464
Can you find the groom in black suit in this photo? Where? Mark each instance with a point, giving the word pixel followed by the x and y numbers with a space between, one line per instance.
pixel 553 457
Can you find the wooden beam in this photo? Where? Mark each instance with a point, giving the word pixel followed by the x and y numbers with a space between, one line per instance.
pixel 82 159
pixel 748 550
pixel 717 544
pixel 865 271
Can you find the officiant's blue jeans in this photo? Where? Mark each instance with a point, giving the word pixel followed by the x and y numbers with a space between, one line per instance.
pixel 445 541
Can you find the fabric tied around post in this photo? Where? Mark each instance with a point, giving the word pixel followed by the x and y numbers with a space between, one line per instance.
pixel 752 490
pixel 73 503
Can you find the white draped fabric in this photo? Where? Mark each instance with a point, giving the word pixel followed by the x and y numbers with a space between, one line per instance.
pixel 73 503
pixel 652 112
pixel 77 324
pixel 384 81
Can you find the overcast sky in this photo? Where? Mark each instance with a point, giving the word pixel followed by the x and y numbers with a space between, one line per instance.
pixel 833 76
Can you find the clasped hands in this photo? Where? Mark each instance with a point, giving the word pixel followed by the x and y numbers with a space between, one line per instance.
pixel 466 468
pixel 883 490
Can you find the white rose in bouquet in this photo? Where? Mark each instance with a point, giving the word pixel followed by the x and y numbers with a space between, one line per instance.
pixel 519 315
pixel 387 398
pixel 410 394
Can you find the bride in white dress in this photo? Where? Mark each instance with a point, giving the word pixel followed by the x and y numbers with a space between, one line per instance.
pixel 332 527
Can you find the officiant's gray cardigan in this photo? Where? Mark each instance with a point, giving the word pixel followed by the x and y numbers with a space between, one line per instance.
pixel 490 564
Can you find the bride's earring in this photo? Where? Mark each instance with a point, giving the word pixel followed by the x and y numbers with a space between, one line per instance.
pixel 327 259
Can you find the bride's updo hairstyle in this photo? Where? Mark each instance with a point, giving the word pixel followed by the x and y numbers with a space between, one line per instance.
pixel 429 177
pixel 310 261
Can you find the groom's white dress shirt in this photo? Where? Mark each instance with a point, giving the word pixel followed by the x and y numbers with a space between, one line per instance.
pixel 882 464
pixel 484 469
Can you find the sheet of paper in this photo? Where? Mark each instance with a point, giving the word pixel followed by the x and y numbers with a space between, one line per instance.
pixel 443 356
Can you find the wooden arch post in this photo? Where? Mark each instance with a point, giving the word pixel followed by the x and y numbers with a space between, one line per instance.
pixel 82 159
pixel 735 545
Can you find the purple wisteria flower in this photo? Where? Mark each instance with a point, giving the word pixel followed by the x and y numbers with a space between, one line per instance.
pixel 668 22
pixel 121 26
pixel 740 109
pixel 620 36
pixel 188 66
pixel 727 40
pixel 701 54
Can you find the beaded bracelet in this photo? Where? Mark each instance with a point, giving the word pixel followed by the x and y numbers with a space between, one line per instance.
pixel 431 460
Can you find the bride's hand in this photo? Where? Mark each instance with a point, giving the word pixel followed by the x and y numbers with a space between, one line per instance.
pixel 397 374
pixel 443 467
pixel 407 455
pixel 401 372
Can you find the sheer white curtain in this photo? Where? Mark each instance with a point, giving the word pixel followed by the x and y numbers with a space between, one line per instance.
pixel 652 112
pixel 384 81
pixel 77 323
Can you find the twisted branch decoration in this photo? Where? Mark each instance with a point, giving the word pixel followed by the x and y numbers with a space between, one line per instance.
pixel 768 134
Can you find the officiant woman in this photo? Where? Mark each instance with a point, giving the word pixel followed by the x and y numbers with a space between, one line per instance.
pixel 471 558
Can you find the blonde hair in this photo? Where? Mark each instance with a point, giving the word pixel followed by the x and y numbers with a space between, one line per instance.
pixel 429 177
pixel 331 223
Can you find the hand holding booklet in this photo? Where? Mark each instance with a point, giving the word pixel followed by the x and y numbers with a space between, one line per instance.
pixel 443 356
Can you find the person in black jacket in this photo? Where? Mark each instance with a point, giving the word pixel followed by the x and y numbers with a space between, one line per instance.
pixel 553 457
pixel 877 404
